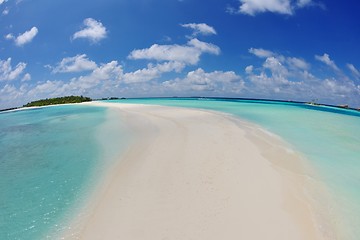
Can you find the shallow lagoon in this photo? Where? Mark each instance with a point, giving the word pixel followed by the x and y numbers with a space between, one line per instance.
pixel 50 157
pixel 328 137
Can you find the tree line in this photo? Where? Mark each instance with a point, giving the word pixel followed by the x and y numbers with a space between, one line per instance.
pixel 58 100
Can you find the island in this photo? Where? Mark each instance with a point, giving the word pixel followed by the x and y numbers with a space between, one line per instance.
pixel 58 100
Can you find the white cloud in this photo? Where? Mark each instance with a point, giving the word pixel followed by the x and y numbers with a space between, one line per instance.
pixel 353 70
pixel 274 80
pixel 326 59
pixel 333 87
pixel 5 11
pixel 341 91
pixel 3 1
pixel 275 66
pixel 108 71
pixel 292 62
pixel 93 30
pixel 102 79
pixel 200 28
pixel 105 80
pixel 23 38
pixel 261 53
pixel 9 95
pixel 170 66
pixel 304 3
pixel 287 7
pixel 288 78
pixel 204 47
pixel 27 77
pixel 9 36
pixel 26 37
pixel 77 63
pixel 199 81
pixel 12 96
pixel 187 54
pixel 152 72
pixel 7 73
pixel 298 63
pixel 249 69
pixel 142 75
pixel 275 75
pixel 47 89
pixel 252 7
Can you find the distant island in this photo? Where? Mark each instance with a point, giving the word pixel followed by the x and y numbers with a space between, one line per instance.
pixel 58 100
pixel 113 98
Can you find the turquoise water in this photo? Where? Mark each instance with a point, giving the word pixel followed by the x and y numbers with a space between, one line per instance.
pixel 48 157
pixel 328 137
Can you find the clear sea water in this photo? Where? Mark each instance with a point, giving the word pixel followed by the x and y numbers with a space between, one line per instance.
pixel 50 157
pixel 328 137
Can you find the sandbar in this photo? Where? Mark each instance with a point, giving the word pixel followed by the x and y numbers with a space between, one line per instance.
pixel 197 174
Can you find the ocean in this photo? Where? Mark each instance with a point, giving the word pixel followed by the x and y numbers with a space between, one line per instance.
pixel 51 157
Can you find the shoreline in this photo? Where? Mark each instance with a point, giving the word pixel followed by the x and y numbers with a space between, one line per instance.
pixel 219 192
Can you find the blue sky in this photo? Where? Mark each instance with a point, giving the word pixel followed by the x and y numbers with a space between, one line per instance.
pixel 281 49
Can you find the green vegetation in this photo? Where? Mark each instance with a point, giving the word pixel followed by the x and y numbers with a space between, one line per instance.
pixel 59 100
pixel 111 98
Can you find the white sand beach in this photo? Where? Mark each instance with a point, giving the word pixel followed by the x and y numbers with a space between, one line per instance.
pixel 195 174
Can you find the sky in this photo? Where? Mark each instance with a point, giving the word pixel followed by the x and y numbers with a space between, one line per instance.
pixel 300 50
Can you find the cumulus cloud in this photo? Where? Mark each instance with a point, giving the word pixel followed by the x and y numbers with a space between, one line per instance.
pixel 204 47
pixel 78 63
pixel 333 87
pixel 274 81
pixel 9 95
pixel 200 28
pixel 187 54
pixel 8 73
pixel 287 7
pixel 277 74
pixel 26 37
pixel 288 77
pixel 108 71
pixel 326 60
pixel 249 69
pixel 93 30
pixel 23 38
pixel 252 7
pixel 152 72
pixel 200 81
pixel 298 63
pixel 292 62
pixel 262 53
pixel 101 79
pixel 27 77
